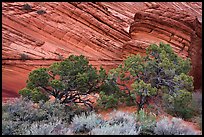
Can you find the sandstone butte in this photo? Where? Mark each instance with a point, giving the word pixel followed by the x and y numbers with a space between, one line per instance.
pixel 105 32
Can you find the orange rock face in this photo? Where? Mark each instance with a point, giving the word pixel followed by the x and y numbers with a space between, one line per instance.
pixel 36 34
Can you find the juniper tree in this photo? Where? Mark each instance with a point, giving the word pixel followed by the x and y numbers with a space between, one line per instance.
pixel 160 71
pixel 67 81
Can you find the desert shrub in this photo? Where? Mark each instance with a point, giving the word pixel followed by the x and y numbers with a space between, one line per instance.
pixel 85 122
pixel 41 12
pixel 54 111
pixel 50 128
pixel 120 123
pixel 68 80
pixel 24 57
pixel 147 122
pixel 27 7
pixel 117 117
pixel 199 121
pixel 197 108
pixel 60 57
pixel 116 129
pixel 21 113
pixel 173 127
pixel 197 102
pixel 22 110
pixel 10 127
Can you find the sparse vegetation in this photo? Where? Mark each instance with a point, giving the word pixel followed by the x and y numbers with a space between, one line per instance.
pixel 161 76
pixel 60 57
pixel 84 123
pixel 172 127
pixel 24 57
pixel 26 7
pixel 41 12
pixel 23 117
pixel 147 122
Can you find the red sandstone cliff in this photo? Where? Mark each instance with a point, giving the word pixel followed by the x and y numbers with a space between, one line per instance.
pixel 103 31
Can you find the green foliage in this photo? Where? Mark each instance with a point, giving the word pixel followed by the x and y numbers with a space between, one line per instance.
pixel 25 92
pixel 179 104
pixel 38 78
pixel 160 72
pixel 107 101
pixel 147 122
pixel 144 90
pixel 67 81
pixel 35 95
pixel 140 86
pixel 184 104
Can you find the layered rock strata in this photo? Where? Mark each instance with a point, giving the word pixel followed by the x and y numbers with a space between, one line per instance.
pixel 36 34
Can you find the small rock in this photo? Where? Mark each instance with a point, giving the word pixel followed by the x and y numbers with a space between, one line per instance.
pixel 39 43
pixel 40 12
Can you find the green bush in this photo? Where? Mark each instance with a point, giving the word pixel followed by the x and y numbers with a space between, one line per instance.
pixel 38 96
pixel 67 81
pixel 147 122
pixel 180 106
pixel 35 95
pixel 107 101
pixel 160 73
